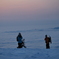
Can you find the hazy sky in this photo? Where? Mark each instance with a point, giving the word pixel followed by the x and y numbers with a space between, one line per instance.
pixel 17 10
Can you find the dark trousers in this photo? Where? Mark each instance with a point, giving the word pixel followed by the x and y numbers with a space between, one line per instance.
pixel 47 46
pixel 19 45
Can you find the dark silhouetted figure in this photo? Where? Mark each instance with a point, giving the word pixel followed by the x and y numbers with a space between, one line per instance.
pixel 47 41
pixel 20 41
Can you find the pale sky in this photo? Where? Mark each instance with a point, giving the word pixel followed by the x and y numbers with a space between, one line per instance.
pixel 17 10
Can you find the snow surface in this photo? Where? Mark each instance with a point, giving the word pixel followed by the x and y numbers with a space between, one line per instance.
pixel 28 53
pixel 34 41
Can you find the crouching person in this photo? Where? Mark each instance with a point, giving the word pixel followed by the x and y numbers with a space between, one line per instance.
pixel 20 41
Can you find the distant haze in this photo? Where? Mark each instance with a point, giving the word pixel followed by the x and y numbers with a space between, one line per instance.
pixel 25 10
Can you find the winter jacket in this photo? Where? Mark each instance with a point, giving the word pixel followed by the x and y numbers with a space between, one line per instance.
pixel 47 40
pixel 19 39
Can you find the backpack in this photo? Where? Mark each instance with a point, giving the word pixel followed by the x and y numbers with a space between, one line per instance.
pixel 50 40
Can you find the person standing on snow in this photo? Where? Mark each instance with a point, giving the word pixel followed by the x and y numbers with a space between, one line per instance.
pixel 47 41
